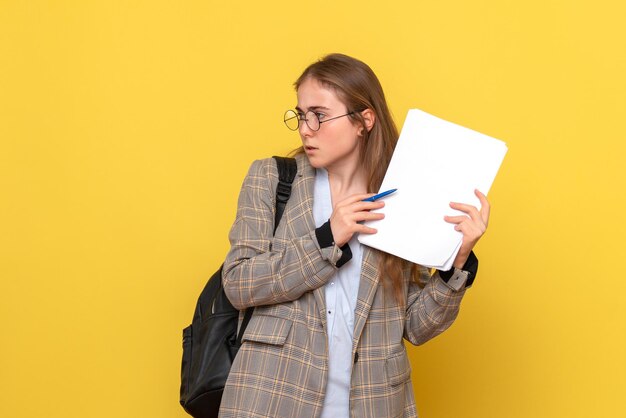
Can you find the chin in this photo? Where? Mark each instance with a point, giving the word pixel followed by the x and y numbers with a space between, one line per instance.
pixel 315 162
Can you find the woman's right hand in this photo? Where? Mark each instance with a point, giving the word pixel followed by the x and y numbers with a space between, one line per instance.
pixel 344 221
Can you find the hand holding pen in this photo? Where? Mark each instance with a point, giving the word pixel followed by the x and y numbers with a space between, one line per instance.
pixel 348 213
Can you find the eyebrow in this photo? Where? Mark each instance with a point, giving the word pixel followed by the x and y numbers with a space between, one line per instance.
pixel 313 108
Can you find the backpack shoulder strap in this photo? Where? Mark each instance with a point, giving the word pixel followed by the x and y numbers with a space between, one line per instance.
pixel 287 169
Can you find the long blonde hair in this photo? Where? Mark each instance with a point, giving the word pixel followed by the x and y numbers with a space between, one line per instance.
pixel 358 88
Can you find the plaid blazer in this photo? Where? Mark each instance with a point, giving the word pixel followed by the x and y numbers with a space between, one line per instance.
pixel 282 366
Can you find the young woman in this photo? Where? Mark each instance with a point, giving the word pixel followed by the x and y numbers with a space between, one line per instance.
pixel 326 336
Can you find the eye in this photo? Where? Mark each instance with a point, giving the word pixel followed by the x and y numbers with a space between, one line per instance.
pixel 320 115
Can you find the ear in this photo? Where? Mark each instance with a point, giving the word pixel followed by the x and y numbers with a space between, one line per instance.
pixel 370 118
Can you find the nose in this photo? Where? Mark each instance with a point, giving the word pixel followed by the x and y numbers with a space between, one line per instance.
pixel 305 131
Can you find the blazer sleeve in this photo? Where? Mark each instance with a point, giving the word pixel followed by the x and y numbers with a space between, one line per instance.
pixel 431 309
pixel 254 272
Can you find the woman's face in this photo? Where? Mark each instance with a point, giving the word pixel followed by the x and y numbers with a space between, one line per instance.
pixel 336 144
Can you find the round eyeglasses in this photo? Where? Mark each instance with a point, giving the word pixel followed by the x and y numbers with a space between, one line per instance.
pixel 292 119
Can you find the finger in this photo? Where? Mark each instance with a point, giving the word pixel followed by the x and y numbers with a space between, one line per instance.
pixel 355 198
pixel 456 219
pixel 460 221
pixel 366 206
pixel 469 228
pixel 350 210
pixel 485 207
pixel 471 232
pixel 368 216
pixel 472 211
pixel 362 229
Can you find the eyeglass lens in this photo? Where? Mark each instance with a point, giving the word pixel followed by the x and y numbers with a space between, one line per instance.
pixel 292 120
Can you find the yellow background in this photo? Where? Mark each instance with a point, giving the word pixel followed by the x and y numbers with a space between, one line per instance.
pixel 126 128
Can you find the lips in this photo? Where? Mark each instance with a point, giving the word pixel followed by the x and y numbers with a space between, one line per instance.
pixel 309 148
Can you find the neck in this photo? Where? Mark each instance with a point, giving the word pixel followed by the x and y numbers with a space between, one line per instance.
pixel 345 180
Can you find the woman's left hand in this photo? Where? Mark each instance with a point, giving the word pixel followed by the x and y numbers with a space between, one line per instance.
pixel 473 225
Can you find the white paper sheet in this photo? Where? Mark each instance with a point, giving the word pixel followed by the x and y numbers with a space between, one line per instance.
pixel 435 162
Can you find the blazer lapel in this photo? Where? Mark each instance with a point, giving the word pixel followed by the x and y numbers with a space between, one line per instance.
pixel 367 290
pixel 304 209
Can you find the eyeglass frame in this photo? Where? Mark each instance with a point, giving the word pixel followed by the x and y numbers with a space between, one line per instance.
pixel 302 117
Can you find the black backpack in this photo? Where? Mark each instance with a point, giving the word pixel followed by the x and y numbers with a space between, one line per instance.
pixel 210 343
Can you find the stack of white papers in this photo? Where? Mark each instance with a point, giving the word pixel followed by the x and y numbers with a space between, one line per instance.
pixel 435 162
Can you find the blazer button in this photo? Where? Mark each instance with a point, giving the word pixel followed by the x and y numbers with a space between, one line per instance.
pixel 356 357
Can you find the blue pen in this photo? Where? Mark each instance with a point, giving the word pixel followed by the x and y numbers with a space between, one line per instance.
pixel 379 195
